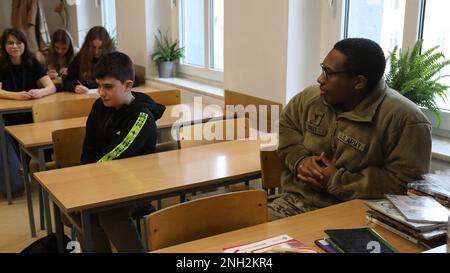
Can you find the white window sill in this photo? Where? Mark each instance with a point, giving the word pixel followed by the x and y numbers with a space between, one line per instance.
pixel 193 86
pixel 441 148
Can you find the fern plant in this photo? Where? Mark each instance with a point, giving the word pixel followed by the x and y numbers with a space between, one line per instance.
pixel 417 76
pixel 166 50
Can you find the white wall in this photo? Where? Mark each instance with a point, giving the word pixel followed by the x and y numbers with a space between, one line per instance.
pixel 273 48
pixel 132 29
pixel 331 27
pixel 88 15
pixel 158 17
pixel 303 50
pixel 136 25
pixel 256 45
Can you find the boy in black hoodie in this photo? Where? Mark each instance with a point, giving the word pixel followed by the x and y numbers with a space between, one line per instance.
pixel 121 124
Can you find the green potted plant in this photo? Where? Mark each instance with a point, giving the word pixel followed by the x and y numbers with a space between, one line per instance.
pixel 166 53
pixel 417 76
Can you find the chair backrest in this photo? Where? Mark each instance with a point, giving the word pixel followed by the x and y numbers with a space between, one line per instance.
pixel 271 169
pixel 222 130
pixel 166 97
pixel 233 98
pixel 62 109
pixel 68 146
pixel 140 73
pixel 206 217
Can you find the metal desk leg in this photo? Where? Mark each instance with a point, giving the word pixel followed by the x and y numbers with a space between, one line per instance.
pixel 41 207
pixel 46 200
pixel 26 178
pixel 86 230
pixel 59 228
pixel 48 216
pixel 4 155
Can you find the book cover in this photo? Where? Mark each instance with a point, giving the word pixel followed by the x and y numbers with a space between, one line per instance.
pixel 414 192
pixel 385 207
pixel 280 244
pixel 362 240
pixel 421 209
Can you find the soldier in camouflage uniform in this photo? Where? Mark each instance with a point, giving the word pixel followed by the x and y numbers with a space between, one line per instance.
pixel 350 137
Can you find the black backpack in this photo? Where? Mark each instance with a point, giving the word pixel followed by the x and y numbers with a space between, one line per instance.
pixel 15 166
pixel 48 244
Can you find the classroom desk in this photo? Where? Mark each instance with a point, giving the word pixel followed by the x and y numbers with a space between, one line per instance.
pixel 306 228
pixel 35 138
pixel 94 188
pixel 13 107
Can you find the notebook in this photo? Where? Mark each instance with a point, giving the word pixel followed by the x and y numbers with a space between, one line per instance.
pixel 363 240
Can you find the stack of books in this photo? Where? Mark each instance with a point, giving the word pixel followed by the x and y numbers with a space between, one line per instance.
pixel 439 189
pixel 421 220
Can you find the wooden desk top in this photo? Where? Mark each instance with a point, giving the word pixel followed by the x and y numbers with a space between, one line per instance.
pixel 14 105
pixel 96 185
pixel 39 134
pixel 306 228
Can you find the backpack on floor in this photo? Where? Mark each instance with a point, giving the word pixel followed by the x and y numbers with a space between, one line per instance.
pixel 48 244
pixel 15 169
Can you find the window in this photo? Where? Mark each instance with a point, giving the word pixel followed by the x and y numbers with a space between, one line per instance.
pixel 378 20
pixel 436 31
pixel 401 23
pixel 201 32
pixel 109 16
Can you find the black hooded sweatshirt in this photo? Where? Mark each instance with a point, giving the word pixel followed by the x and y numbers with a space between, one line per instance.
pixel 127 132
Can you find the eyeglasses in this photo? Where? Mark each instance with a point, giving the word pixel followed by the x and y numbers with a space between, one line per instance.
pixel 11 43
pixel 326 71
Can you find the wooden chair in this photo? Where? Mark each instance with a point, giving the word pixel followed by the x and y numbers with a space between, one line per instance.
pixel 240 128
pixel 62 109
pixel 53 111
pixel 271 169
pixel 234 99
pixel 68 146
pixel 166 97
pixel 139 71
pixel 206 217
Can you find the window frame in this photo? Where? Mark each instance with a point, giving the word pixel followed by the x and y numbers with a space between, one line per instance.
pixel 107 17
pixel 193 71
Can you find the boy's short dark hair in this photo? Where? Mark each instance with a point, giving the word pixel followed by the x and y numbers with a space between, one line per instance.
pixel 115 65
pixel 364 57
